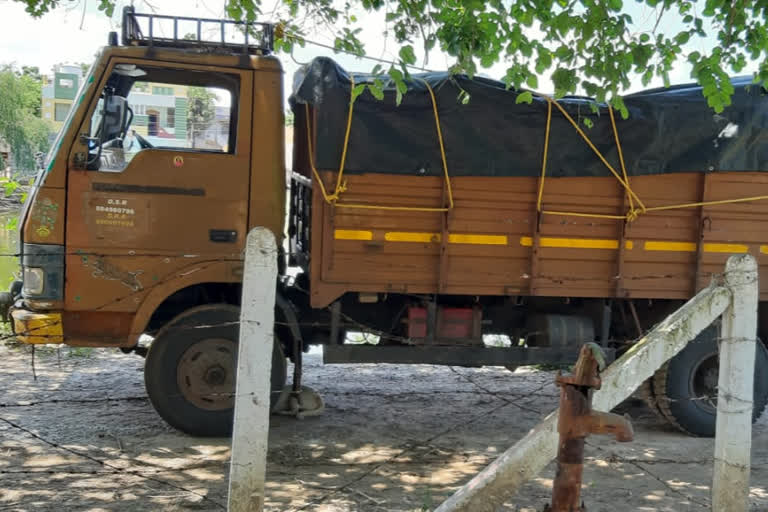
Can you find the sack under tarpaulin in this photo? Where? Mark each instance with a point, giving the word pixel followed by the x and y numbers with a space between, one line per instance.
pixel 668 129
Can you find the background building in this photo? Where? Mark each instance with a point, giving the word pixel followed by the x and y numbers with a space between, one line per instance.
pixel 59 92
pixel 160 113
pixel 160 110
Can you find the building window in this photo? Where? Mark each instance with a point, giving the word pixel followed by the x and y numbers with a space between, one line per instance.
pixel 66 82
pixel 171 114
pixel 163 91
pixel 61 111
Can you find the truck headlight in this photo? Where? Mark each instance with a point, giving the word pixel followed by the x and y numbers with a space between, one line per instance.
pixel 34 281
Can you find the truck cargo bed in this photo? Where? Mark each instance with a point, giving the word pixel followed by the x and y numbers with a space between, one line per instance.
pixel 489 243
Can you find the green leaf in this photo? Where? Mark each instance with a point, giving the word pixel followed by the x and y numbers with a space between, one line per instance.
pixel 407 55
pixel 524 97
pixel 487 61
pixel 376 90
pixel 694 57
pixel 644 38
pixel 107 6
pixel 682 38
pixel 618 103
pixel 587 122
pixel 357 91
pixel 10 187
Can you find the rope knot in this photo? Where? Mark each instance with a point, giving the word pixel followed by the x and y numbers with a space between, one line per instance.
pixel 633 214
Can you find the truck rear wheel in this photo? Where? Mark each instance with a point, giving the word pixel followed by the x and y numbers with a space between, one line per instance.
pixel 191 366
pixel 686 386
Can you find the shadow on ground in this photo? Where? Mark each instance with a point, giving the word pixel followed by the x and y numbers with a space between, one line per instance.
pixel 392 438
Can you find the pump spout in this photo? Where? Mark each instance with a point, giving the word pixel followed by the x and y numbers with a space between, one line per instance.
pixel 612 425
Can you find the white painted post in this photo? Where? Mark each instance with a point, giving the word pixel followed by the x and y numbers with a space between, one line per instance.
pixel 733 435
pixel 254 363
pixel 525 459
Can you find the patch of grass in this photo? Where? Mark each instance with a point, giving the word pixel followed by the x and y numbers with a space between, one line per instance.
pixel 426 501
pixel 6 336
pixel 80 351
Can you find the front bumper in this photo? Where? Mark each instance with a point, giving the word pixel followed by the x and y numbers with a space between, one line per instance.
pixel 37 328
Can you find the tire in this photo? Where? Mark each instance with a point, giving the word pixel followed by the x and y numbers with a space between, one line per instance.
pixel 683 384
pixel 190 370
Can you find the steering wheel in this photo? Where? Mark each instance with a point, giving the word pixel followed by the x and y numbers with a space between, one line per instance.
pixel 143 143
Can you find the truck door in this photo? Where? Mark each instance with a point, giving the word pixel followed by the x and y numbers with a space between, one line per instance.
pixel 159 181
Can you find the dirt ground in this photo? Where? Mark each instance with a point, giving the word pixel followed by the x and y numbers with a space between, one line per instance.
pixel 392 438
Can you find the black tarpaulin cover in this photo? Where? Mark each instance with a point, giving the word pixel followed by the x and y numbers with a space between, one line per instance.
pixel 668 130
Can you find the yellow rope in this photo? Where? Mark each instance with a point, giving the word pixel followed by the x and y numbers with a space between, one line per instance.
pixel 326 197
pixel 621 155
pixel 341 185
pixel 583 214
pixel 633 213
pixel 544 159
pixel 442 146
pixel 707 203
pixel 597 152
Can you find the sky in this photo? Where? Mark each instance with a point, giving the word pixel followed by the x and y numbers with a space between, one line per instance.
pixel 74 32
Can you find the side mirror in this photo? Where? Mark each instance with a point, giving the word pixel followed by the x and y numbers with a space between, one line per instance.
pixel 115 114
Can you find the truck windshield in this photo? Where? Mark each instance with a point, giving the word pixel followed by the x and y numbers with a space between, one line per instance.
pixel 161 108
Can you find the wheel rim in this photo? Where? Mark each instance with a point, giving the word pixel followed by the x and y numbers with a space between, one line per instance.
pixel 703 383
pixel 206 374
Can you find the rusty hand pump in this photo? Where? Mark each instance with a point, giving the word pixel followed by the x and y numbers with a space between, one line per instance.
pixel 577 420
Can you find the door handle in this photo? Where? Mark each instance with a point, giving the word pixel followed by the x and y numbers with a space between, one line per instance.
pixel 222 235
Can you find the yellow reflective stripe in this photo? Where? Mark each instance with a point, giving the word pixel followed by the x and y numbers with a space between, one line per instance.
pixel 551 242
pixel 407 236
pixel 573 243
pixel 729 248
pixel 670 246
pixel 456 238
pixel 453 238
pixel 691 247
pixel 351 234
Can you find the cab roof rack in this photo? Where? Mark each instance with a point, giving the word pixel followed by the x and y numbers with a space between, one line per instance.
pixel 157 30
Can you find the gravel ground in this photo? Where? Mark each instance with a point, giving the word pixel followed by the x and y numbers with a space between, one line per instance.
pixel 83 436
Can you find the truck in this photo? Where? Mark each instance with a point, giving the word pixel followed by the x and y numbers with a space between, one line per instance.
pixel 431 226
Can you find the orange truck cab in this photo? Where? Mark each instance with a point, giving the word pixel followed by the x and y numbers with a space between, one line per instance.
pixel 174 149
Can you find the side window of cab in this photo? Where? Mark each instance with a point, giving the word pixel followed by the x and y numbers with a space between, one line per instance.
pixel 143 108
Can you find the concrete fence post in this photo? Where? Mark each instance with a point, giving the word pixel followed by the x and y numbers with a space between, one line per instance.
pixel 254 361
pixel 733 435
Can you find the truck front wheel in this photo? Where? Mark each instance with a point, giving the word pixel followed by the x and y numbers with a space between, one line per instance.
pixel 191 366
